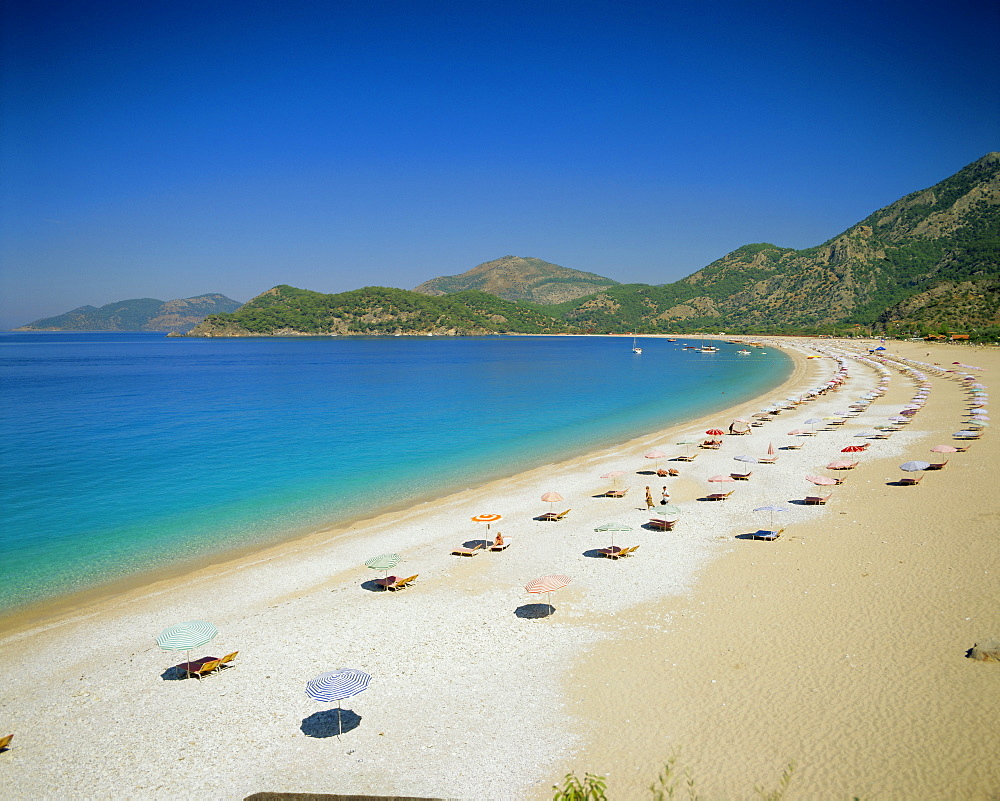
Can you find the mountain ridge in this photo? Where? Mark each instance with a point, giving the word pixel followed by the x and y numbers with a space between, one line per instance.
pixel 137 314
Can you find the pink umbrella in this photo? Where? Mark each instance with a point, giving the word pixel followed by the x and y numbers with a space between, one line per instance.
pixel 656 454
pixel 840 464
pixel 721 478
pixel 547 584
pixel 797 431
pixel 551 498
pixel 822 481
pixel 770 449
pixel 614 474
pixel 944 449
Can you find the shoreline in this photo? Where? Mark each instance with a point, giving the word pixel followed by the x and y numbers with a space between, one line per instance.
pixel 45 611
pixel 461 662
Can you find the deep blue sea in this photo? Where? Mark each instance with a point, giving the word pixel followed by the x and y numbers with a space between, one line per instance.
pixel 128 452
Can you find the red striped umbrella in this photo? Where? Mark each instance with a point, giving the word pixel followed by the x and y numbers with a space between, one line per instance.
pixel 547 584
pixel 487 519
pixel 715 432
pixel 853 449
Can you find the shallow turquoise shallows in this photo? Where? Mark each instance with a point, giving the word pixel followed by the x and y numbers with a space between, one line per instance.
pixel 128 452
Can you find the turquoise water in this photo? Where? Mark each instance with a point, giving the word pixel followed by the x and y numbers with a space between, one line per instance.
pixel 127 452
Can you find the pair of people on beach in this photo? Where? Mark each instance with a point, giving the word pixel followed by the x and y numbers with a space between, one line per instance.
pixel 664 497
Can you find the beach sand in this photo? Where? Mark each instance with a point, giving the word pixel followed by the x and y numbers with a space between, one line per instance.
pixel 840 646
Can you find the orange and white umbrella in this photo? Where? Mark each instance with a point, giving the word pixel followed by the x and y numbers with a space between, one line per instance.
pixel 487 519
pixel 547 584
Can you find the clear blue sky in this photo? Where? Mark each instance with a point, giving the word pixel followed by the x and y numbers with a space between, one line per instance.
pixel 167 149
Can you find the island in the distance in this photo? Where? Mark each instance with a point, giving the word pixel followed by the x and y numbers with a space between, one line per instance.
pixel 139 314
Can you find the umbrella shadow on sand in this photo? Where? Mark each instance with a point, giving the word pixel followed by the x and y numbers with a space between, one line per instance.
pixel 327 724
pixel 534 611
pixel 174 673
pixel 593 553
pixel 372 585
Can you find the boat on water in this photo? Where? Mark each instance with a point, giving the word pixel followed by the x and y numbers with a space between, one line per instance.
pixel 635 349
pixel 743 352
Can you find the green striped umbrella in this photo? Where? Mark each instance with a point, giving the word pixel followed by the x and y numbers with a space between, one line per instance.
pixel 611 528
pixel 185 636
pixel 386 562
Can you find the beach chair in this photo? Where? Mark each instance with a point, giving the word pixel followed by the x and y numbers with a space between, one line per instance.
pixel 817 500
pixel 719 496
pixel 386 582
pixel 938 466
pixel 628 551
pixel 770 460
pixel 710 445
pixel 225 662
pixel 503 546
pixel 5 742
pixel 741 476
pixel 553 515
pixel 794 447
pixel 909 482
pixel 767 536
pixel 683 458
pixel 614 552
pixel 616 493
pixel 402 584
pixel 662 523
pixel 467 551
pixel 201 668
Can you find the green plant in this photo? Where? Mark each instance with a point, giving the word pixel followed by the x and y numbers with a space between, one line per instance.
pixel 590 788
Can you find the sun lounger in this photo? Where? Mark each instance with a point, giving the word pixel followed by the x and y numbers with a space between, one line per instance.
pixel 467 551
pixel 224 663
pixel 770 460
pixel 200 668
pixel 502 546
pixel 402 584
pixel 741 476
pixel 610 553
pixel 687 458
pixel 710 445
pixel 938 466
pixel 5 742
pixel 719 496
pixel 791 447
pixel 769 536
pixel 628 551
pixel 553 515
pixel 818 500
pixel 662 523
pixel 616 493
pixel 386 582
pixel 910 482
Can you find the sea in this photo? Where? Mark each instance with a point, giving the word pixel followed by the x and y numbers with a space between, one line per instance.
pixel 124 453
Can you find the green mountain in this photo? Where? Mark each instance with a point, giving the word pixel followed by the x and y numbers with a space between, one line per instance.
pixel 138 314
pixel 516 278
pixel 906 265
pixel 287 311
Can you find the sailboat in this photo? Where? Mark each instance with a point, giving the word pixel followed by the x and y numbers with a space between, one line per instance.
pixel 708 348
pixel 634 348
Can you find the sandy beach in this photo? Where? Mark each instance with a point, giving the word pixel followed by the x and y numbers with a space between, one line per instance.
pixel 839 646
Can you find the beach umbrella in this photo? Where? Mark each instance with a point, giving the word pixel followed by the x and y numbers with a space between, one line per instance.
pixel 611 528
pixel 944 449
pixel 839 464
pixel 657 454
pixel 772 510
pixel 866 434
pixel 715 432
pixel 615 475
pixel 337 685
pixel 385 562
pixel 487 519
pixel 853 449
pixel 821 481
pixel 797 431
pixel 747 459
pixel 913 467
pixel 547 584
pixel 670 509
pixel 551 498
pixel 687 443
pixel 721 479
pixel 185 636
pixel 770 449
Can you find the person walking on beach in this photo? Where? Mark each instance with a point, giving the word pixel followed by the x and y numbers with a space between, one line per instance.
pixel 649 499
pixel 665 496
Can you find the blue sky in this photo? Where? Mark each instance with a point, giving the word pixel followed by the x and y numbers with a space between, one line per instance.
pixel 171 149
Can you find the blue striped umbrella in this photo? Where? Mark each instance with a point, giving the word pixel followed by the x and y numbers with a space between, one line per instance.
pixel 336 685
pixel 185 636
